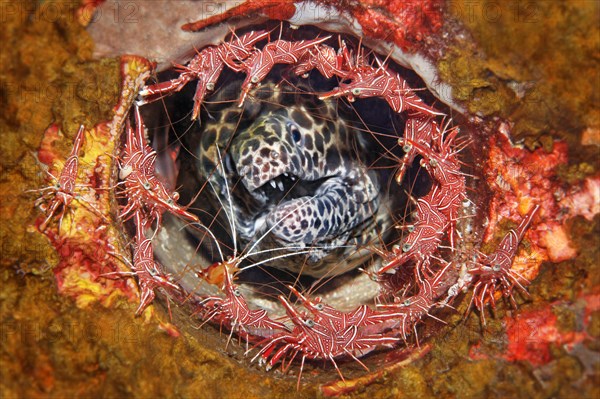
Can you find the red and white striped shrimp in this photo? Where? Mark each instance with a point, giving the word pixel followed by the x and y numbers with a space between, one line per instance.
pixel 493 271
pixel 63 191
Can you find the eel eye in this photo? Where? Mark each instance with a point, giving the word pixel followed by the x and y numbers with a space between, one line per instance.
pixel 294 131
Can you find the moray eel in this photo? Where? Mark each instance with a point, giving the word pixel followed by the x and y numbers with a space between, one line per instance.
pixel 292 174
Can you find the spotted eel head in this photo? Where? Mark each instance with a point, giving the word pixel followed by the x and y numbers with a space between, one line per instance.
pixel 296 174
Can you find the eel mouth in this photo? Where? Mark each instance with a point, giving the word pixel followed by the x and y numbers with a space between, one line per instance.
pixel 273 191
pixel 285 187
pixel 283 195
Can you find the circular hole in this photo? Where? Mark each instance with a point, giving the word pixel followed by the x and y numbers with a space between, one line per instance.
pixel 344 175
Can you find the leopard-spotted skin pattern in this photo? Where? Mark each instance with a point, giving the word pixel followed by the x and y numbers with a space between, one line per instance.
pixel 296 173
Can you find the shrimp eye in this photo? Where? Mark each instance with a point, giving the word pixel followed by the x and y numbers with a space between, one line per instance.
pixel 309 323
pixel 319 306
pixel 295 132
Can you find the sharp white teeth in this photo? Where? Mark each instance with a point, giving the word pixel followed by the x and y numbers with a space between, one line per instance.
pixel 273 184
pixel 280 185
pixel 286 175
pixel 293 178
